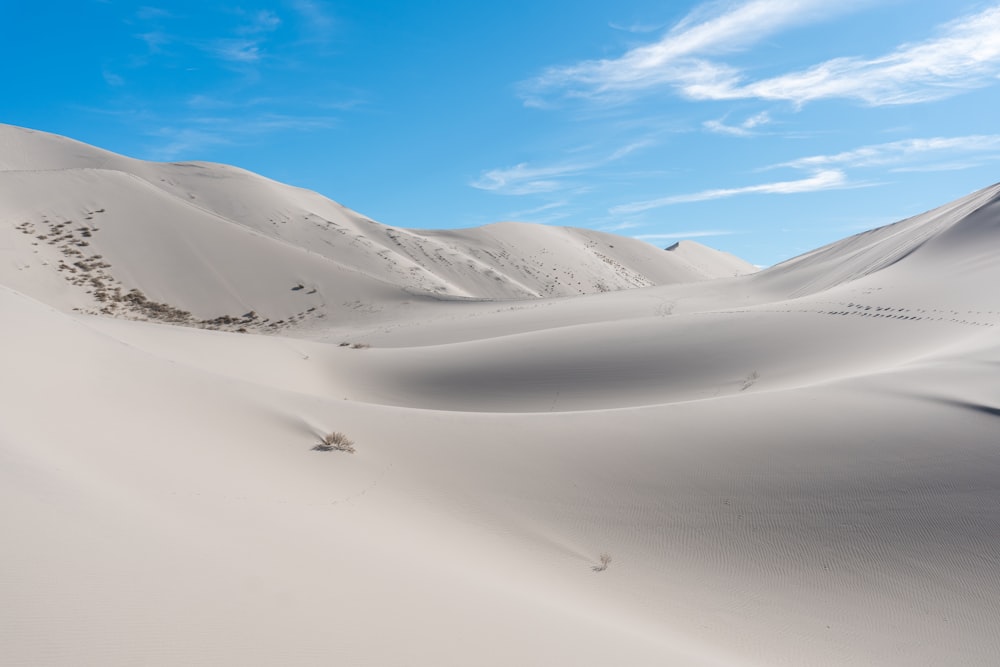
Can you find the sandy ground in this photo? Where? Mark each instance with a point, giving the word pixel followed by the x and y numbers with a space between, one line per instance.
pixel 793 467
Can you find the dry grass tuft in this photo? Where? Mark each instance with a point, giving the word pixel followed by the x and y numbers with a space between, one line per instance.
pixel 605 561
pixel 335 441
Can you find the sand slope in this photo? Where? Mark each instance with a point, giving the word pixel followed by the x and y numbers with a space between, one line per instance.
pixel 794 467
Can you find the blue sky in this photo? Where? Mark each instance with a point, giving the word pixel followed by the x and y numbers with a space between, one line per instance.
pixel 761 127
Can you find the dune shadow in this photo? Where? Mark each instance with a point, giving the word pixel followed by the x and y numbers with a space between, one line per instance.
pixel 981 408
pixel 975 407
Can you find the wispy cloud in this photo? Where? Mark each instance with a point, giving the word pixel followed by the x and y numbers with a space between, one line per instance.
pixel 636 27
pixel 316 18
pixel 744 129
pixel 679 58
pixel 241 43
pixel 965 54
pixel 252 34
pixel 111 78
pixel 245 60
pixel 155 40
pixel 184 142
pixel 619 226
pixel 236 50
pixel 187 140
pixel 258 22
pixel 896 152
pixel 827 172
pixel 629 148
pixel 944 166
pixel 826 179
pixel 263 123
pixel 523 178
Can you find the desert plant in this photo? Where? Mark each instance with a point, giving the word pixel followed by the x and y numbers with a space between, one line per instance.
pixel 605 561
pixel 335 441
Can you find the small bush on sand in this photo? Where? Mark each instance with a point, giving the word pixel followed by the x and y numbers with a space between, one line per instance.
pixel 335 441
pixel 605 561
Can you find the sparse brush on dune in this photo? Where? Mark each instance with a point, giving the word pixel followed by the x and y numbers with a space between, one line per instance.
pixel 605 561
pixel 335 441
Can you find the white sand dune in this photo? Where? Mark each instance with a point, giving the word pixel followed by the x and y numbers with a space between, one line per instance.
pixel 290 256
pixel 795 467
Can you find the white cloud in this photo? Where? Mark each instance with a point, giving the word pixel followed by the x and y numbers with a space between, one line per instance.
pixel 941 166
pixel 317 22
pixel 826 179
pixel 154 40
pixel 260 22
pixel 719 127
pixel 619 226
pixel 679 57
pixel 111 78
pixel 827 171
pixel 184 142
pixel 744 129
pixel 523 179
pixel 264 123
pixel 895 152
pixel 762 118
pixel 237 50
pixel 629 148
pixel 636 27
pixel 202 133
pixel 247 47
pixel 965 56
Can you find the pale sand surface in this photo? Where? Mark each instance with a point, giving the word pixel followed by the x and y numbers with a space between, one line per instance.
pixel 794 467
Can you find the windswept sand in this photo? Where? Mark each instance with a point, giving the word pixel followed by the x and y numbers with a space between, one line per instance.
pixel 794 467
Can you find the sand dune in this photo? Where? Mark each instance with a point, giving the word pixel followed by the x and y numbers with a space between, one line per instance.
pixel 793 467
pixel 206 244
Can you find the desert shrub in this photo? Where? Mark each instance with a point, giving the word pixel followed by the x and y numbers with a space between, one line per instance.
pixel 605 561
pixel 335 441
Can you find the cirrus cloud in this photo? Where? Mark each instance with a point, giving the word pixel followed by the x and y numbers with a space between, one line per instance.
pixel 826 179
pixel 964 55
